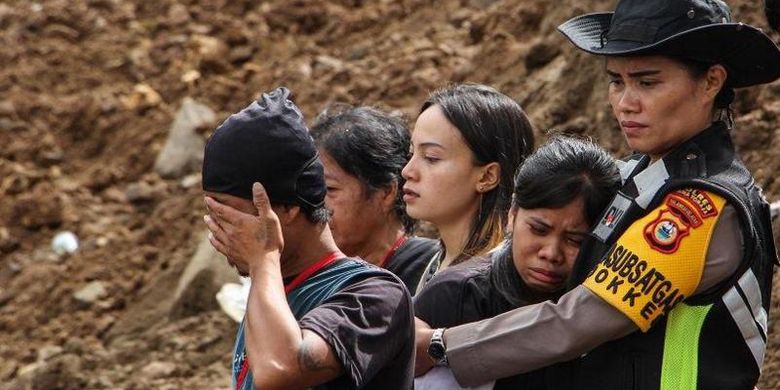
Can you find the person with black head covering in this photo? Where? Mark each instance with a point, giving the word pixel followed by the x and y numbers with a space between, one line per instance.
pixel 315 318
pixel 671 290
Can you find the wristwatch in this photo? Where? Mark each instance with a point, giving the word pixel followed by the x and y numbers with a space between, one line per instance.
pixel 437 350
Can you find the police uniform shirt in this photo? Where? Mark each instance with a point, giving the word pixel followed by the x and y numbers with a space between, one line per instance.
pixel 540 335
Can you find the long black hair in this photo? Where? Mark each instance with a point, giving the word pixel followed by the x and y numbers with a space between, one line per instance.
pixel 559 172
pixel 370 145
pixel 564 169
pixel 495 129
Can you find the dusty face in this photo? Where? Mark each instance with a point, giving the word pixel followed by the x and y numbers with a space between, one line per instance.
pixel 545 243
pixel 657 102
pixel 441 177
pixel 357 214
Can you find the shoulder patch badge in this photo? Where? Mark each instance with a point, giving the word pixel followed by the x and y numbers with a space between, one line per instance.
pixel 682 210
pixel 666 231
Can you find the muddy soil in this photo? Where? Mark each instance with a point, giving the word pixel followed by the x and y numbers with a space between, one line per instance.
pixel 89 89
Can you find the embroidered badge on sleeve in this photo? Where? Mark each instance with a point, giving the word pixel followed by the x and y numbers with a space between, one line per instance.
pixel 659 259
pixel 665 232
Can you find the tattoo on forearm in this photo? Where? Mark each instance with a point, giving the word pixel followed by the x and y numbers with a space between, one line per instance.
pixel 310 360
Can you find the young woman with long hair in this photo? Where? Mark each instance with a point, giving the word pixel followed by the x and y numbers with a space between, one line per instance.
pixel 466 144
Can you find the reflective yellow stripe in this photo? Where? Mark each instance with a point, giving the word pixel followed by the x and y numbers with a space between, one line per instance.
pixel 680 367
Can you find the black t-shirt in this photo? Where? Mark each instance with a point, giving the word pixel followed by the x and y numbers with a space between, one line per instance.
pixel 410 260
pixel 469 292
pixel 458 295
pixel 370 326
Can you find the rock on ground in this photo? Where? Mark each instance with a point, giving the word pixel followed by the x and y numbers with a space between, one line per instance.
pixel 183 151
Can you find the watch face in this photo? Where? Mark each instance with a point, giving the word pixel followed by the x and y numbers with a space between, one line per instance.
pixel 436 351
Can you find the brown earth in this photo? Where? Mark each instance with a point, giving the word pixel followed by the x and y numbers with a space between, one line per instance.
pixel 88 90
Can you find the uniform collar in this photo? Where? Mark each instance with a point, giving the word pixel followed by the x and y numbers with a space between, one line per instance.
pixel 709 151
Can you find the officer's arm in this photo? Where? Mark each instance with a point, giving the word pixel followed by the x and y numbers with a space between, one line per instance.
pixel 539 335
pixel 533 336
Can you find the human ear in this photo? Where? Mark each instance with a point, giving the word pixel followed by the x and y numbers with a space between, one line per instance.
pixel 714 80
pixel 387 196
pixel 510 220
pixel 287 213
pixel 490 175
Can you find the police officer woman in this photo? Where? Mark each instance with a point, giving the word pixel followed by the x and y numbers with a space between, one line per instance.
pixel 672 288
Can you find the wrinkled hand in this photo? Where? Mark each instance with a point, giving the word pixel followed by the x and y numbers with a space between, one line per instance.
pixel 422 338
pixel 245 239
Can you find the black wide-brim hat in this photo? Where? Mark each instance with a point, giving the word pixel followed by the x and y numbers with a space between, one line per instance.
pixel 700 30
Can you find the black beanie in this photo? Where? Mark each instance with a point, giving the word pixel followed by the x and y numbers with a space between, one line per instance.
pixel 266 142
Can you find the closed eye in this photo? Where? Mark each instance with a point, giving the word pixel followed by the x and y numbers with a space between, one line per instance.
pixel 575 238
pixel 614 78
pixel 647 83
pixel 538 229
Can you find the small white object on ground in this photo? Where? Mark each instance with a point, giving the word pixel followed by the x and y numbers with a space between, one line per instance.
pixel 64 243
pixel 232 298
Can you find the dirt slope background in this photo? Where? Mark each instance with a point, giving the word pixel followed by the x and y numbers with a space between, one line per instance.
pixel 88 92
